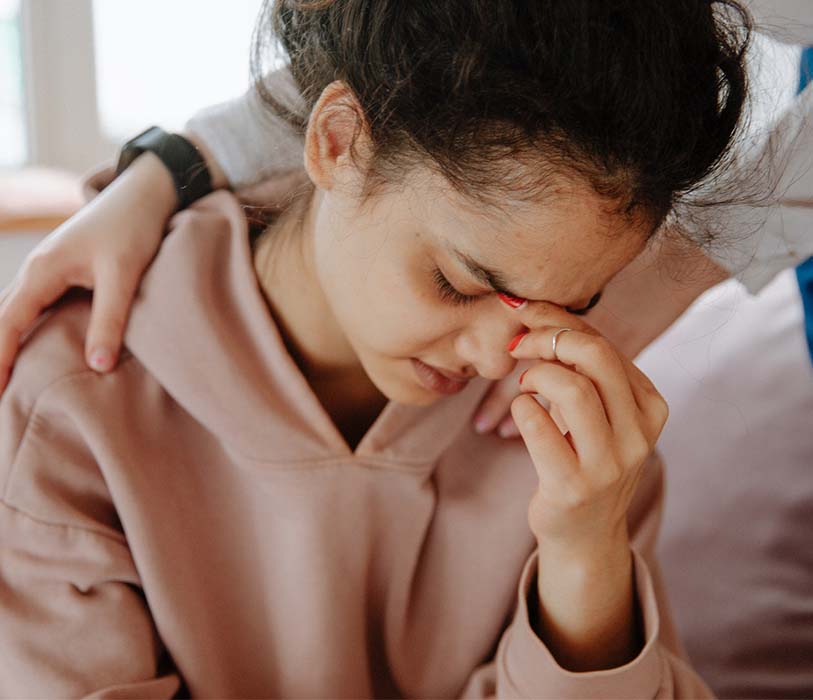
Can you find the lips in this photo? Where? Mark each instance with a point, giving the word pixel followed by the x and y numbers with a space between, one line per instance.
pixel 439 380
pixel 448 374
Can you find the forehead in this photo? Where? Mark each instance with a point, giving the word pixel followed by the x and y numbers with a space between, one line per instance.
pixel 562 248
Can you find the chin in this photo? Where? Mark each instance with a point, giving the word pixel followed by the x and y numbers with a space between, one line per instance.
pixel 407 393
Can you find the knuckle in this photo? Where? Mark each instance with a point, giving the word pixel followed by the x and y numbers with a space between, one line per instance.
pixel 600 350
pixel 662 407
pixel 577 494
pixel 639 449
pixel 613 473
pixel 37 262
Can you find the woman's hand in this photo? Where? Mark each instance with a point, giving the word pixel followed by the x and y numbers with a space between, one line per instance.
pixel 105 247
pixel 589 463
pixel 636 307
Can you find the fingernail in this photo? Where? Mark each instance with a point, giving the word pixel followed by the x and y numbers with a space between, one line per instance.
pixel 101 360
pixel 516 340
pixel 512 301
pixel 482 424
pixel 522 376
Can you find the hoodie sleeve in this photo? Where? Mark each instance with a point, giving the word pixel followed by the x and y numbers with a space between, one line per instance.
pixel 73 618
pixel 523 667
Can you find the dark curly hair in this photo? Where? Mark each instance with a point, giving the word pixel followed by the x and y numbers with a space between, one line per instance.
pixel 640 97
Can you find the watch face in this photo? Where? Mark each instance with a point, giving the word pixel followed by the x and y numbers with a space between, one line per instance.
pixel 146 140
pixel 184 162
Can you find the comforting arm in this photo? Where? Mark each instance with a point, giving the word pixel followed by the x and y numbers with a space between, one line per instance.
pixel 109 243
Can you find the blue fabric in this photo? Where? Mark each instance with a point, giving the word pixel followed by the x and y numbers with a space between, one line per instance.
pixel 806 67
pixel 804 275
pixel 804 272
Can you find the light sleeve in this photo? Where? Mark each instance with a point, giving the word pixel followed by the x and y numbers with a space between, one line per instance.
pixel 523 666
pixel 246 139
pixel 767 226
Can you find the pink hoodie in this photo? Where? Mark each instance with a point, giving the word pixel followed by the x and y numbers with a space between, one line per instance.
pixel 194 524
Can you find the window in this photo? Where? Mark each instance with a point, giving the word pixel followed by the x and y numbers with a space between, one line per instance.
pixel 157 62
pixel 13 146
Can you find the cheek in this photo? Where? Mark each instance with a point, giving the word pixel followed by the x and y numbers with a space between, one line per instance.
pixel 376 281
pixel 395 318
pixel 381 304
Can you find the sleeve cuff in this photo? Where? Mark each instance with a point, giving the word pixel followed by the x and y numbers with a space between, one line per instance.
pixel 530 670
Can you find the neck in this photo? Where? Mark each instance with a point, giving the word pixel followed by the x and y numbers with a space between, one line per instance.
pixel 284 264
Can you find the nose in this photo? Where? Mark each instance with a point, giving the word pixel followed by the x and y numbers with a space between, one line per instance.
pixel 482 343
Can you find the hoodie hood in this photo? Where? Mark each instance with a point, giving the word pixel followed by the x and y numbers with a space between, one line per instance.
pixel 200 325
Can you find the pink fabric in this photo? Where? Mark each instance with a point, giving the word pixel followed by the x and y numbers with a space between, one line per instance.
pixel 194 523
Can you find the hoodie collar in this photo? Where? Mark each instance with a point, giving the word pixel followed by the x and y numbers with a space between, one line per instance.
pixel 202 329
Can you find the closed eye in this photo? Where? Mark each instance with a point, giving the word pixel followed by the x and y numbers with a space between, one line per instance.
pixel 448 292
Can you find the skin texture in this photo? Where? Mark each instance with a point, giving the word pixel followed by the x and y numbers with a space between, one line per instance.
pixel 347 262
pixel 351 284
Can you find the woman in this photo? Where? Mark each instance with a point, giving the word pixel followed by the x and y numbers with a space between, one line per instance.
pixel 277 493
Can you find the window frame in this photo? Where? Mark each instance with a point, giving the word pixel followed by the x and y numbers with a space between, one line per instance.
pixel 62 123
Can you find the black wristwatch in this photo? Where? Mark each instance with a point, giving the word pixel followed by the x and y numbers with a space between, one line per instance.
pixel 183 160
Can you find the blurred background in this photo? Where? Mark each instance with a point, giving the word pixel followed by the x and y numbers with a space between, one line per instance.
pixel 77 77
pixel 80 77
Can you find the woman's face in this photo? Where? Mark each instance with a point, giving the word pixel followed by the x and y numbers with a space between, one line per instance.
pixel 406 274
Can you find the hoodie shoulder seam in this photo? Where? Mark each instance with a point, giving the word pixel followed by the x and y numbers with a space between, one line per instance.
pixel 31 414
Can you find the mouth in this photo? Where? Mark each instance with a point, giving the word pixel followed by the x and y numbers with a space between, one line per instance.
pixel 439 380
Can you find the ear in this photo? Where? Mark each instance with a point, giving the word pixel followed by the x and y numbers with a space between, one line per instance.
pixel 334 122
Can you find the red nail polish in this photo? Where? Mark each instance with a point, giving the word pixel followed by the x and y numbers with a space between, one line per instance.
pixel 522 376
pixel 512 301
pixel 516 340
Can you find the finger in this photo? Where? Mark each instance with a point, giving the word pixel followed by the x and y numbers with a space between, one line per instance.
pixel 508 428
pixel 496 404
pixel 596 358
pixel 554 459
pixel 538 314
pixel 25 300
pixel 648 399
pixel 577 398
pixel 112 299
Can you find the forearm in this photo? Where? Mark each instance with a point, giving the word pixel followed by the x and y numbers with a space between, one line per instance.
pixel 147 179
pixel 586 611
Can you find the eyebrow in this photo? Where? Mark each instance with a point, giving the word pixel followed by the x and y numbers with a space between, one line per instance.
pixel 491 278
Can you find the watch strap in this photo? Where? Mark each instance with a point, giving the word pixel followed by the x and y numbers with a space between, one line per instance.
pixel 183 160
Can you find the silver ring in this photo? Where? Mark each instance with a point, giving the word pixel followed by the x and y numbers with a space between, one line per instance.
pixel 555 337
